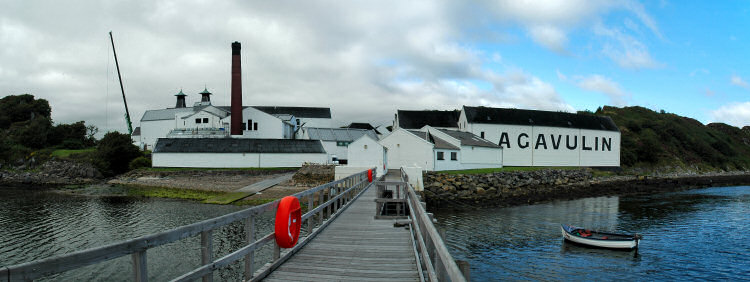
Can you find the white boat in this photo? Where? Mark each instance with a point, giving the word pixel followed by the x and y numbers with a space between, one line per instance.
pixel 599 239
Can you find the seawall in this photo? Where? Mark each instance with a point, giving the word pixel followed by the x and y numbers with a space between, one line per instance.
pixel 526 187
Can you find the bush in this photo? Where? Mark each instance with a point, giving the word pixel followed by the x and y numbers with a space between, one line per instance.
pixel 115 152
pixel 139 162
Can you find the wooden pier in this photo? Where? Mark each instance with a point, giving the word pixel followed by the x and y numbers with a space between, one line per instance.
pixel 356 246
pixel 348 236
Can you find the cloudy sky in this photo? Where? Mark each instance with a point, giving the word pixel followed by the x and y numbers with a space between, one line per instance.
pixel 365 59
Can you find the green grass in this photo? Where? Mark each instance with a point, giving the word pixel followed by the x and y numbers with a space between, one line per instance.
pixel 503 169
pixel 169 169
pixel 174 193
pixel 65 153
pixel 227 198
pixel 253 202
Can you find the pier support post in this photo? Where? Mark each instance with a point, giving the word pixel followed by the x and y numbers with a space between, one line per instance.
pixel 206 253
pixel 249 239
pixel 140 267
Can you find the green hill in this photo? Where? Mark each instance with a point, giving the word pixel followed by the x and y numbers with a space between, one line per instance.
pixel 658 139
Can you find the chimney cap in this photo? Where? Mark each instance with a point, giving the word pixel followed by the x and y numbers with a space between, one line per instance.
pixel 236 48
pixel 205 91
pixel 180 94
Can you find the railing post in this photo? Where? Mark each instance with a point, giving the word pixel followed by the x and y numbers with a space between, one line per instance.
pixel 206 253
pixel 249 239
pixel 320 202
pixel 139 266
pixel 310 206
pixel 276 251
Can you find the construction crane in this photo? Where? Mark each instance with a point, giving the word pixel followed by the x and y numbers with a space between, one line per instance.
pixel 127 112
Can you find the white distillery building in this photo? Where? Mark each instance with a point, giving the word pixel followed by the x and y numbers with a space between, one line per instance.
pixel 366 152
pixel 236 152
pixel 205 120
pixel 543 138
pixel 336 140
pixel 440 149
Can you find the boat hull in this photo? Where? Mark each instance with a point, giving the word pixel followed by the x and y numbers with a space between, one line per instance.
pixel 600 243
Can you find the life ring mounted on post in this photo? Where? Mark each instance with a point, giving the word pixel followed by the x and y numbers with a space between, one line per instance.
pixel 369 175
pixel 288 222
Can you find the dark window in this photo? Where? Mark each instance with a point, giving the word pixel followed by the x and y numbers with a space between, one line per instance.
pixel 440 156
pixel 197 120
pixel 205 120
pixel 243 125
pixel 297 121
pixel 249 124
pixel 454 156
pixel 255 126
pixel 481 134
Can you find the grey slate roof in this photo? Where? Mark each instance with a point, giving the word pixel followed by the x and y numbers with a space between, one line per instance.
pixel 338 134
pixel 164 114
pixel 299 112
pixel 538 118
pixel 237 145
pixel 137 131
pixel 469 139
pixel 418 119
pixel 439 143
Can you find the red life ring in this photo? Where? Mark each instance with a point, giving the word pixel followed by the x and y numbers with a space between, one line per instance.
pixel 369 175
pixel 288 222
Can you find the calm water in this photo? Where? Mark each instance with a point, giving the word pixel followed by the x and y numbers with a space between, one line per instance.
pixel 694 235
pixel 36 223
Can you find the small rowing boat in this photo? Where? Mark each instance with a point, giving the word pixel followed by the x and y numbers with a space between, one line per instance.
pixel 599 239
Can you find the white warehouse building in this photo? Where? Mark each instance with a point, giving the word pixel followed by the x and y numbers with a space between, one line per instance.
pixel 543 138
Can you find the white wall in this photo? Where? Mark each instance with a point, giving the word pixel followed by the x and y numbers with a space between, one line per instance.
pixel 556 146
pixel 189 121
pixel 234 160
pixel 406 149
pixel 153 130
pixel 447 163
pixel 480 157
pixel 269 126
pixel 345 171
pixel 600 155
pixel 366 152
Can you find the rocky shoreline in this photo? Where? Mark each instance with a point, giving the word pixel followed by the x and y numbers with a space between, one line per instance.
pixel 53 172
pixel 462 191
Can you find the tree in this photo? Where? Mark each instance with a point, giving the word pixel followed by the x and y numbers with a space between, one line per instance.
pixel 91 131
pixel 19 108
pixel 114 153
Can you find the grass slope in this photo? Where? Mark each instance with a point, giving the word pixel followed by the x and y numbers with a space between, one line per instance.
pixel 652 139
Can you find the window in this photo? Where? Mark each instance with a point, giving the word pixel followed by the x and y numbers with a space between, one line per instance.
pixel 481 134
pixel 205 120
pixel 255 126
pixel 249 124
pixel 344 144
pixel 365 147
pixel 297 121
pixel 197 120
pixel 454 156
pixel 440 156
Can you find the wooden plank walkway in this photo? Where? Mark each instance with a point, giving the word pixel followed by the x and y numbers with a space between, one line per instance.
pixel 354 247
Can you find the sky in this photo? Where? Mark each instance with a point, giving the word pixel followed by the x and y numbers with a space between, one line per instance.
pixel 366 59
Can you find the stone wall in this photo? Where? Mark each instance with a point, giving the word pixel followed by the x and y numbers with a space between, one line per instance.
pixel 525 187
pixel 499 188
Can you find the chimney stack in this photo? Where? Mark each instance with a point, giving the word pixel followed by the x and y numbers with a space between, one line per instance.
pixel 236 109
pixel 180 100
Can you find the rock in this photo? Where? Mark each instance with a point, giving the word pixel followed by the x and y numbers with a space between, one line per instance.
pixel 481 191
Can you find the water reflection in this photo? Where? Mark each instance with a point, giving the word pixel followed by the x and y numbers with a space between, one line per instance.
pixel 698 234
pixel 37 223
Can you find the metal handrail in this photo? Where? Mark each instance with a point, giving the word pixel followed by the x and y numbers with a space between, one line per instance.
pixel 438 262
pixel 346 189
